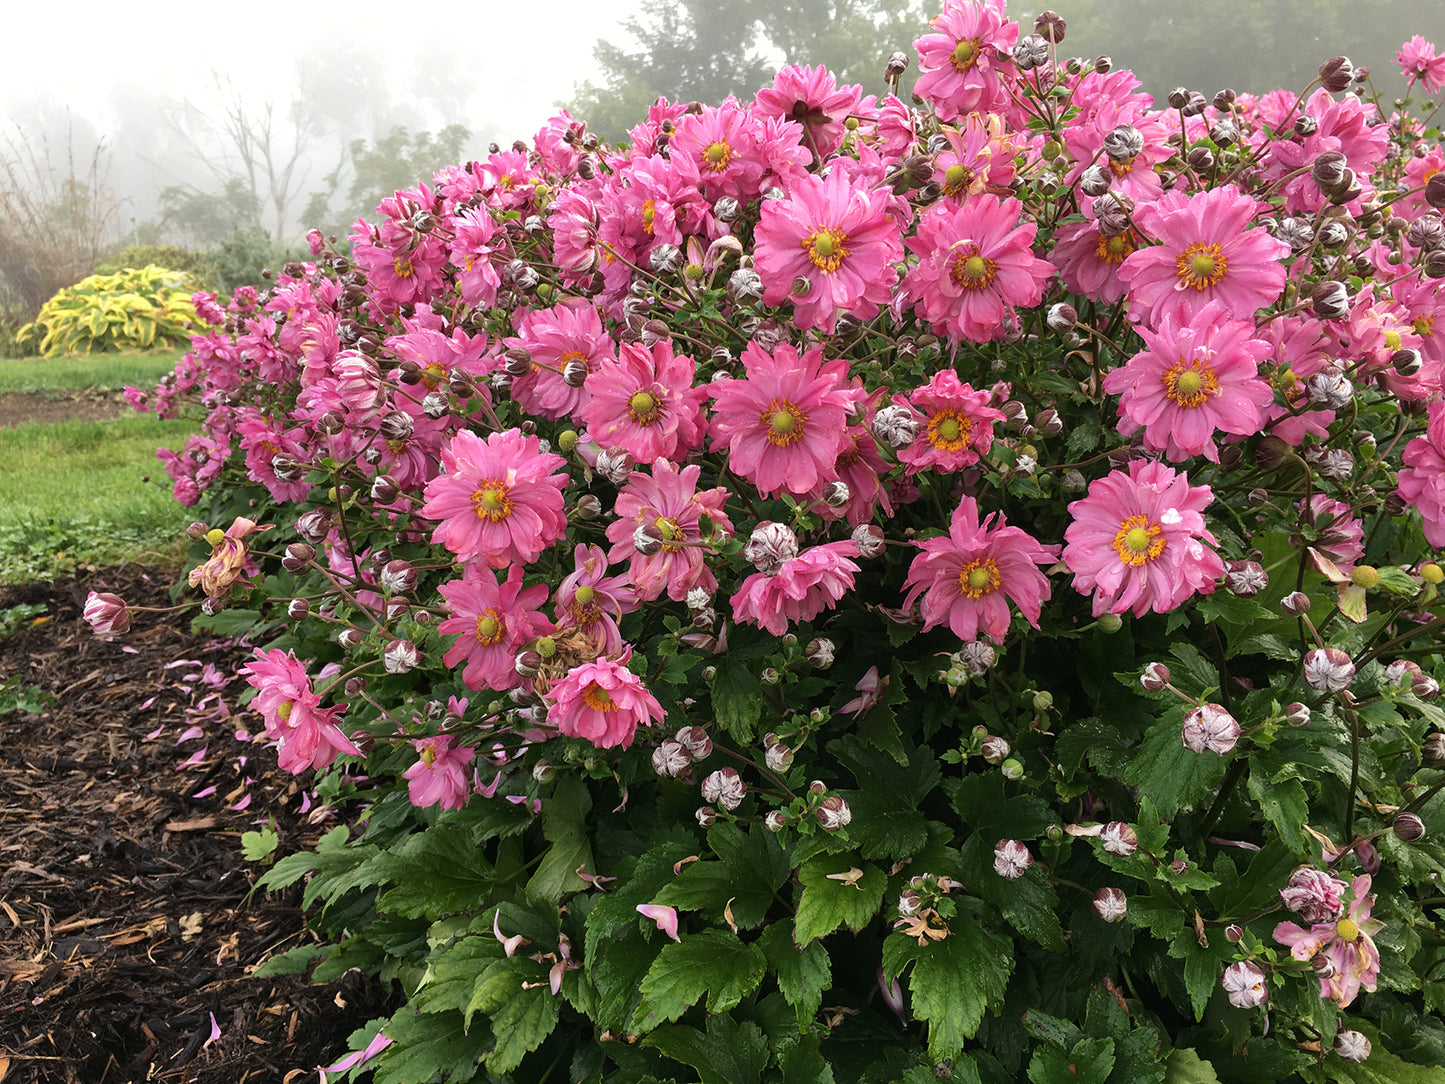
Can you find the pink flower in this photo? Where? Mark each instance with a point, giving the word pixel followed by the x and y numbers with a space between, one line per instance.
pixel 1347 125
pixel 811 97
pixel 870 689
pixel 1314 895
pixel 723 144
pixel 105 613
pixel 593 602
pixel 491 622
pixel 1422 482
pixel 968 577
pixel 229 558
pixel 800 590
pixel 974 265
pixel 1244 983
pixel 439 777
pixel 1419 62
pixel 645 404
pixel 668 501
pixel 963 63
pixel 955 425
pixel 569 331
pixel 1207 250
pixel 1088 262
pixel 837 238
pixel 1139 541
pixel 498 500
pixel 306 734
pixel 1347 946
pixel 602 701
pixel 784 425
pixel 1199 375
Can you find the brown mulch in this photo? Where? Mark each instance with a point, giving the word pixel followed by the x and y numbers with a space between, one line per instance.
pixel 87 405
pixel 126 934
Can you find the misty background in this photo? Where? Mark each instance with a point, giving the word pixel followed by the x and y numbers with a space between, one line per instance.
pixel 220 145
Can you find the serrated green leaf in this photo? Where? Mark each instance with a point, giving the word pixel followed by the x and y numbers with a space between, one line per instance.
pixel 260 845
pixel 453 972
pixel 1187 1067
pixel 435 872
pixel 752 867
pixel 1029 903
pixel 729 1052
pixel 564 824
pixel 654 870
pixel 296 961
pixel 980 802
pixel 1089 1062
pixel 1240 896
pixel 1062 1034
pixel 737 701
pixel 424 1046
pixel 714 962
pixel 617 976
pixel 1176 778
pixel 1230 609
pixel 835 895
pixel 803 974
pixel 1284 803
pixel 953 981
pixel 514 994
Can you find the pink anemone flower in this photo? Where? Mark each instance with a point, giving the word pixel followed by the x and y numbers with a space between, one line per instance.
pixel 602 701
pixel 306 734
pixel 439 777
pixel 491 622
pixel 968 577
pixel 1347 945
pixel 799 590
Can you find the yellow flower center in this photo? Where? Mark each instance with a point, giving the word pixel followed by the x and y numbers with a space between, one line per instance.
pixel 970 270
pixel 649 213
pixel 826 248
pixel 1424 325
pixel 956 179
pixel 284 710
pixel 1116 249
pixel 950 431
pixel 490 627
pixel 784 421
pixel 644 408
pixel 1347 930
pixel 1138 541
pixel 1393 339
pixel 716 156
pixel 596 698
pixel 1122 168
pixel 585 594
pixel 965 54
pixel 490 502
pixel 1189 382
pixel 428 754
pixel 979 578
pixel 1201 266
pixel 215 536
pixel 403 267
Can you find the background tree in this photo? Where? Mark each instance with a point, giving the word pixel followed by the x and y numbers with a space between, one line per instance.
pixel 687 50
pixel 853 38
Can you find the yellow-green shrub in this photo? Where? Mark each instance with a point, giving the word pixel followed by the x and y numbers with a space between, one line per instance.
pixel 136 308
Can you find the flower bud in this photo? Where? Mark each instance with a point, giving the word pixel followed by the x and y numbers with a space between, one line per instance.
pixel 1408 827
pixel 1210 729
pixel 1435 191
pixel 705 816
pixel 1011 859
pixel 833 813
pixel 436 405
pixel 298 608
pixel 1425 687
pixel 1124 143
pixel 1297 714
pixel 1336 74
pixel 909 901
pixel 836 494
pixel 1029 52
pixel 1244 983
pixel 1012 770
pixel 1234 933
pixel 770 545
pixel 995 749
pixel 1095 181
pixel 745 285
pixel 588 506
pixel 775 821
pixel 819 652
pixel 1120 838
pixel 1295 603
pixel 896 426
pixel 106 613
pixel 724 787
pixel 897 65
pixel 348 638
pixel 647 539
pixel 868 538
pixel 1109 623
pixel 398 577
pixel 1351 1046
pixel 1433 749
pixel 1328 669
pixel 1110 904
pixel 1330 300
pixel 670 759
pixel 400 656
pixel 313 526
pixel 1154 678
pixel 574 373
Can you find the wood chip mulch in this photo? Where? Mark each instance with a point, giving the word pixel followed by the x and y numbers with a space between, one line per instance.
pixel 127 939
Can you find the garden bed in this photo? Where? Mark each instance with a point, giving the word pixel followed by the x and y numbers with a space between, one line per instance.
pixel 126 935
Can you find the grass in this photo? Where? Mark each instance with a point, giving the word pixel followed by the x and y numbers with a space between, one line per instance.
pixel 104 372
pixel 71 493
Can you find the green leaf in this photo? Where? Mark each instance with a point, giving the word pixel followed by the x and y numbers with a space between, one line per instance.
pixel 1058 1033
pixel 1173 776
pixel 293 962
pixel 618 976
pixel 452 974
pixel 714 962
pixel 980 801
pixel 953 981
pixel 424 1046
pixel 737 702
pixel 803 974
pixel 1284 804
pixel 1090 1061
pixel 652 872
pixel 1239 896
pixel 1186 1067
pixel 564 825
pixel 1381 1067
pixel 729 1053
pixel 1029 903
pixel 515 994
pixel 260 845
pixel 837 891
pixel 1230 609
pixel 226 623
pixel 436 872
pixel 753 867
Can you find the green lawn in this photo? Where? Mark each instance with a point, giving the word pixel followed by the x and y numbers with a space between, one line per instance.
pixel 109 372
pixel 71 493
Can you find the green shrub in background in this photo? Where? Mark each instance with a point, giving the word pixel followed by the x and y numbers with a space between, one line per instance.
pixel 240 259
pixel 136 308
pixel 175 257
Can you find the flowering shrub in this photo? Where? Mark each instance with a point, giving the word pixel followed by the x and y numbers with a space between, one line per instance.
pixel 834 591
pixel 134 308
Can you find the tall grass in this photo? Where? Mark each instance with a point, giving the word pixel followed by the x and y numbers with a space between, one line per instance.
pixel 105 372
